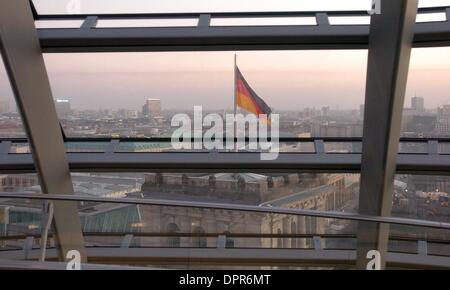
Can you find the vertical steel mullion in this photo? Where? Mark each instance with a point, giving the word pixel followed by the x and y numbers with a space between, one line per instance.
pixel 25 66
pixel 390 42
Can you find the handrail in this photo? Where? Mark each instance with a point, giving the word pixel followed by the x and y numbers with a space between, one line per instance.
pixel 228 235
pixel 234 207
pixel 280 139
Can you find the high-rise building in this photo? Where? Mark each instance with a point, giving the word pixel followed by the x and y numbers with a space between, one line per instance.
pixel 443 120
pixel 152 108
pixel 417 104
pixel 62 107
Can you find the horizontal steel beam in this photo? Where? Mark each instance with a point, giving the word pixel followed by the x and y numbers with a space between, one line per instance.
pixel 238 257
pixel 210 38
pixel 34 265
pixel 235 207
pixel 228 161
pixel 65 16
pixel 280 139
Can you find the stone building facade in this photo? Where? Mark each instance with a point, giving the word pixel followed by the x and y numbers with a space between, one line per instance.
pixel 306 191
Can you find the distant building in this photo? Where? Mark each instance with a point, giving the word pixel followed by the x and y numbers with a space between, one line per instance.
pixel 443 120
pixel 417 104
pixel 4 107
pixel 361 111
pixel 152 108
pixel 306 191
pixel 335 129
pixel 62 107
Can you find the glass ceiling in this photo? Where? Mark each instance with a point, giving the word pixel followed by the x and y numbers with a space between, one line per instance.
pixel 187 6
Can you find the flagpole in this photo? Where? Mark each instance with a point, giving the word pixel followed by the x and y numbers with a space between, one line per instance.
pixel 235 103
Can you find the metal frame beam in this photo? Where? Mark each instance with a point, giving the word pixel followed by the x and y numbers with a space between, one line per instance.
pixel 425 157
pixel 25 67
pixel 227 256
pixel 390 43
pixel 209 38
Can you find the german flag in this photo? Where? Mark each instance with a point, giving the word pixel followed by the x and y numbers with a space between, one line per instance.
pixel 247 99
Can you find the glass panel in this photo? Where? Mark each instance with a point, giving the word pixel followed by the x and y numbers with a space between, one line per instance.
pixel 58 23
pixel 19 148
pixel 349 20
pixel 309 191
pixel 73 147
pixel 172 6
pixel 343 147
pixel 10 120
pixel 141 147
pixel 303 147
pixel 261 21
pixel 123 23
pixel 139 94
pixel 19 183
pixel 422 197
pixel 431 17
pixel 427 110
pixel 433 3
pixel 160 229
pixel 413 147
pixel 86 146
pixel 444 148
pixel 419 240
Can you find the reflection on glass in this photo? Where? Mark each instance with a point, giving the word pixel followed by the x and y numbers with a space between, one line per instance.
pixel 10 120
pixel 123 23
pixel 262 21
pixel 93 147
pixel 343 147
pixel 422 197
pixel 349 20
pixel 58 23
pixel 413 147
pixel 138 94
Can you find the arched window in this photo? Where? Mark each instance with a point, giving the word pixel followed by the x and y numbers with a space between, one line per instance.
pixel 293 231
pixel 198 241
pixel 279 240
pixel 229 242
pixel 173 241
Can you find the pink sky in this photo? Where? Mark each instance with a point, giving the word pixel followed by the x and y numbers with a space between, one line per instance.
pixel 285 79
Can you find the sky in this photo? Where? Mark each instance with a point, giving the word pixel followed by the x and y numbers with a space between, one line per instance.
pixel 286 80
pixel 155 6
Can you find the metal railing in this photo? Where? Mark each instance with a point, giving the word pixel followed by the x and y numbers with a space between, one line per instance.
pixel 430 159
pixel 235 207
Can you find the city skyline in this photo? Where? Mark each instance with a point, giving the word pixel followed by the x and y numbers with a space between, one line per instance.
pixel 285 79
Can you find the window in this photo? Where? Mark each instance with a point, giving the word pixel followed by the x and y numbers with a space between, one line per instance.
pixel 427 106
pixel 199 241
pixel 174 241
pixel 315 93
pixel 10 121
